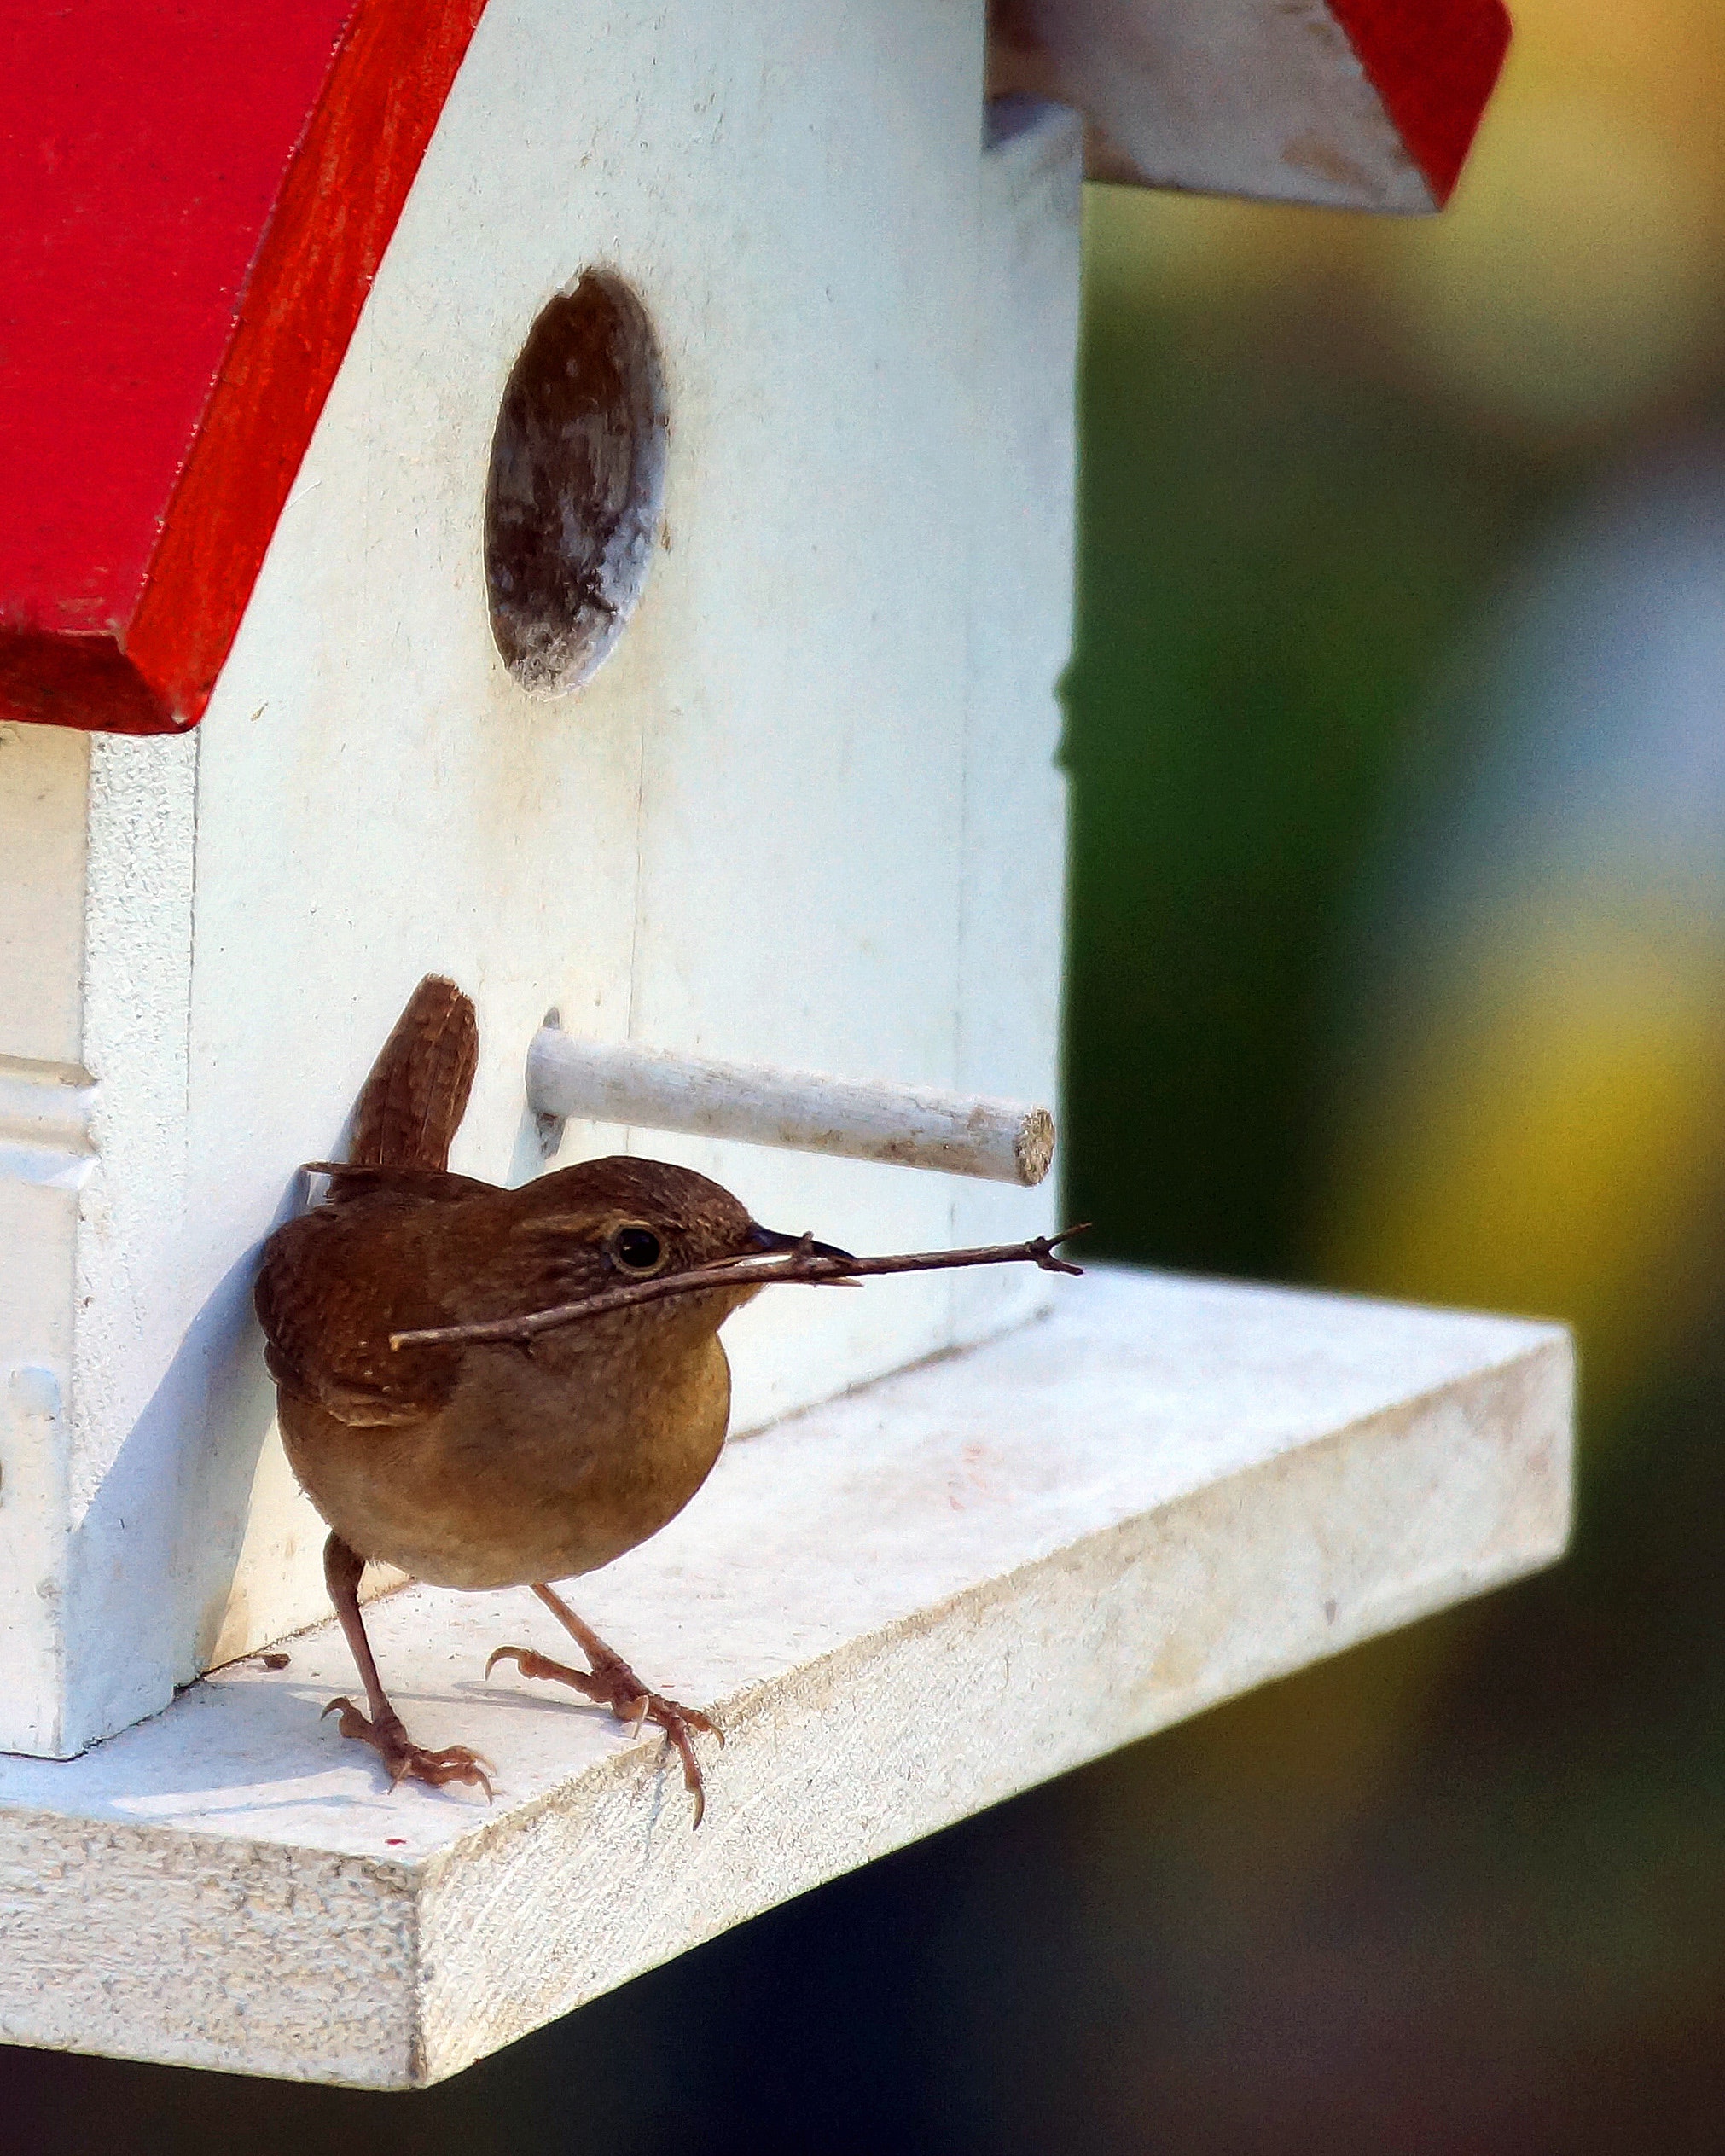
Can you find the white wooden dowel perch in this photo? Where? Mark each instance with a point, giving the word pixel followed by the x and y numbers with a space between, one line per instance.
pixel 962 1133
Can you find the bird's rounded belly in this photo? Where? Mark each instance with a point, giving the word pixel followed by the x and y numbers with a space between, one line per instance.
pixel 505 1485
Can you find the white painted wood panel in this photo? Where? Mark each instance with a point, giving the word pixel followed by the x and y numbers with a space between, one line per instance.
pixel 144 1402
pixel 92 1165
pixel 45 1156
pixel 43 772
pixel 1012 914
pixel 903 1606
pixel 802 777
pixel 747 834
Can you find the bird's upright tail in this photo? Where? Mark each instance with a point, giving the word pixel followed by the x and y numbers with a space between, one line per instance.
pixel 411 1106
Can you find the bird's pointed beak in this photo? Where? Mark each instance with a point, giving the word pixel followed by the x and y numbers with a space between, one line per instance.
pixel 761 1238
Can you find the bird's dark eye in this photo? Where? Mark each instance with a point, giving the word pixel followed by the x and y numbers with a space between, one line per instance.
pixel 637 1250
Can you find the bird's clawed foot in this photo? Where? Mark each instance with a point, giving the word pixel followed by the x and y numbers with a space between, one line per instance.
pixel 613 1684
pixel 405 1760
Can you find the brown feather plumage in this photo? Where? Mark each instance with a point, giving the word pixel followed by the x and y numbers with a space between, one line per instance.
pixel 481 1466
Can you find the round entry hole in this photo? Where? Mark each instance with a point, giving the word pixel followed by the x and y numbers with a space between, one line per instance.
pixel 576 479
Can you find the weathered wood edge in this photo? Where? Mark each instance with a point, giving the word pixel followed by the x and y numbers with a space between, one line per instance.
pixel 139 1936
pixel 277 1959
pixel 1068 1693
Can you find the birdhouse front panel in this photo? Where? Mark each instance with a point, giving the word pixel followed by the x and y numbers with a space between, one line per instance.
pixel 660 625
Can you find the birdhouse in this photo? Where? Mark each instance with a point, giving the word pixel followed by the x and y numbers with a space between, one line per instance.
pixel 580 502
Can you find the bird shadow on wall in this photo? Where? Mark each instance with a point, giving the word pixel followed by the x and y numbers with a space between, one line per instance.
pixel 153 1558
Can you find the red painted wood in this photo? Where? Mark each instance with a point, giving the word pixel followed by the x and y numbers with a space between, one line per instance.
pixel 197 198
pixel 61 679
pixel 1434 64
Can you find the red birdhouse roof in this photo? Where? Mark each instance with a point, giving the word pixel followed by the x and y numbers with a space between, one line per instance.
pixel 198 197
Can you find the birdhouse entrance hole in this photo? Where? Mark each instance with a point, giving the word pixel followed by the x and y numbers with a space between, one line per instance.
pixel 576 479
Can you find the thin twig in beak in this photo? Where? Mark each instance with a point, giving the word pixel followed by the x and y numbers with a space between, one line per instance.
pixel 793 1268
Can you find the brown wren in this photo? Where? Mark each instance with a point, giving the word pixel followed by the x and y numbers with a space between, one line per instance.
pixel 496 1463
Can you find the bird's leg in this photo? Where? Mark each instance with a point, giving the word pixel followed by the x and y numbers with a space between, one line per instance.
pixel 613 1683
pixel 405 1760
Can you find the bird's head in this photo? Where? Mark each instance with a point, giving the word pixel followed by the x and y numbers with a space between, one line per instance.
pixel 605 1223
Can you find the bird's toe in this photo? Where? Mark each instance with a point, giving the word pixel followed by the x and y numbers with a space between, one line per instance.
pixel 405 1761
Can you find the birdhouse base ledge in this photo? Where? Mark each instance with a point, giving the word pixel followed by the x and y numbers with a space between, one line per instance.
pixel 902 1607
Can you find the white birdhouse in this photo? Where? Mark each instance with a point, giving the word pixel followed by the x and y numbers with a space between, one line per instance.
pixel 580 501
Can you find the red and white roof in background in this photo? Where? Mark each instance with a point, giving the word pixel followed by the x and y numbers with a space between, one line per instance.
pixel 197 197
pixel 1353 104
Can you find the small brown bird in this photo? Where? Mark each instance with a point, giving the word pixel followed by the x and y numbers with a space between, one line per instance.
pixel 511 1461
pixel 496 1464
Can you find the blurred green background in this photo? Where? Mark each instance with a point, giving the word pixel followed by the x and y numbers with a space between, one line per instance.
pixel 1397 723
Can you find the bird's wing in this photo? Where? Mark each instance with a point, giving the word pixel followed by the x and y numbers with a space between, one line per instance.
pixel 333 1286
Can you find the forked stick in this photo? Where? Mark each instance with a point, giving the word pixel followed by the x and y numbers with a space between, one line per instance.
pixel 798 1265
